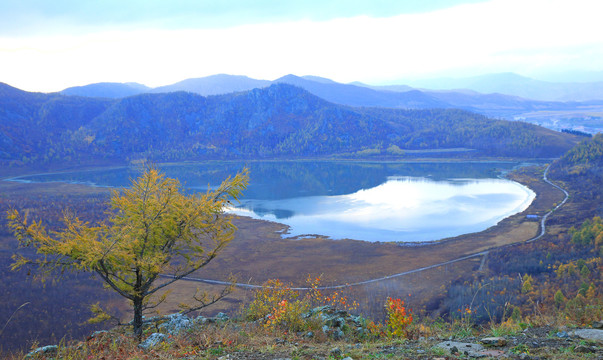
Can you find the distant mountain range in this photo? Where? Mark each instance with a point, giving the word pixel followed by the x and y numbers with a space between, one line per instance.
pixel 107 90
pixel 278 121
pixel 517 85
pixel 509 84
pixel 214 85
pixel 491 101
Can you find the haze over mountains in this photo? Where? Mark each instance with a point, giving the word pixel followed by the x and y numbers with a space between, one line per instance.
pixel 517 85
pixel 506 96
pixel 509 84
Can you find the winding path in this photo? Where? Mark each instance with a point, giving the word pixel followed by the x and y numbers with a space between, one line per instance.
pixel 543 220
pixel 481 253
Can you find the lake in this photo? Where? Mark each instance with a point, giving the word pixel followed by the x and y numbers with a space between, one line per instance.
pixel 371 201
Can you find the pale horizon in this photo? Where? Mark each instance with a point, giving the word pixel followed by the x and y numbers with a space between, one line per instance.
pixel 59 45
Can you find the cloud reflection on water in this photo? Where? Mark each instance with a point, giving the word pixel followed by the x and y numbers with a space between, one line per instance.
pixel 405 209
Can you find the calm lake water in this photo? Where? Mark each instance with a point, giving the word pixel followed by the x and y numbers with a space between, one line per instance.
pixel 372 201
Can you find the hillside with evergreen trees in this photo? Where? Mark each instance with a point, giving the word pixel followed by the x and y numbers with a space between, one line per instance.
pixel 582 167
pixel 281 121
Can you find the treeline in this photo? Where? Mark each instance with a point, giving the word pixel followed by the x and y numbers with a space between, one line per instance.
pixel 587 154
pixel 281 121
pixel 582 167
pixel 576 132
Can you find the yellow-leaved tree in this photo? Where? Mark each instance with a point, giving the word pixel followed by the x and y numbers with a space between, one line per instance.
pixel 153 235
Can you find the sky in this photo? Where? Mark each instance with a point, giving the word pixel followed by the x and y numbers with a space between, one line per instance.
pixel 51 45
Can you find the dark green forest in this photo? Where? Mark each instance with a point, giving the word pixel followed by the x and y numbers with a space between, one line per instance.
pixel 281 121
pixel 582 167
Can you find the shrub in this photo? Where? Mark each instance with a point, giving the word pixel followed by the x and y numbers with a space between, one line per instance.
pixel 278 305
pixel 336 299
pixel 398 319
pixel 267 298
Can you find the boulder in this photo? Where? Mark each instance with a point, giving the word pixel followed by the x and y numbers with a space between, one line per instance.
pixel 175 323
pixel 335 352
pixel 468 349
pixel 336 322
pixel 43 350
pixel 221 317
pixel 589 334
pixel 96 334
pixel 153 340
pixel 585 349
pixel 494 341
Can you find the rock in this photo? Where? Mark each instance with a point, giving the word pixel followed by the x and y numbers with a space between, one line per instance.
pixel 221 317
pixel 562 334
pixel 44 350
pixel 589 334
pixel 176 323
pixel 335 352
pixel 467 349
pixel 494 341
pixel 347 358
pixel 335 321
pixel 584 349
pixel 153 340
pixel 598 325
pixel 338 335
pixel 200 320
pixel 97 334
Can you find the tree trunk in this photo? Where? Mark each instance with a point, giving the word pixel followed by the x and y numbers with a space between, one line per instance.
pixel 137 323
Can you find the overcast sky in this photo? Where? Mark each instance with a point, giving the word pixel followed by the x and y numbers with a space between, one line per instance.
pixel 50 45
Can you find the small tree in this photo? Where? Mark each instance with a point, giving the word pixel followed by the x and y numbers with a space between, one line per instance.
pixel 152 229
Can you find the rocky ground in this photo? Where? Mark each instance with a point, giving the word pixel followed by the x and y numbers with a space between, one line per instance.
pixel 537 343
pixel 340 336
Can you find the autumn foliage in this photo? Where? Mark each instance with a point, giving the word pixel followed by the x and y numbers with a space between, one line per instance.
pixel 152 231
pixel 280 307
pixel 398 318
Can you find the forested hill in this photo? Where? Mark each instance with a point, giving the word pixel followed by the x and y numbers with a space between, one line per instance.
pixel 583 167
pixel 281 121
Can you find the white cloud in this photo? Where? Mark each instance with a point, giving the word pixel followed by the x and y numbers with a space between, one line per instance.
pixel 499 35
